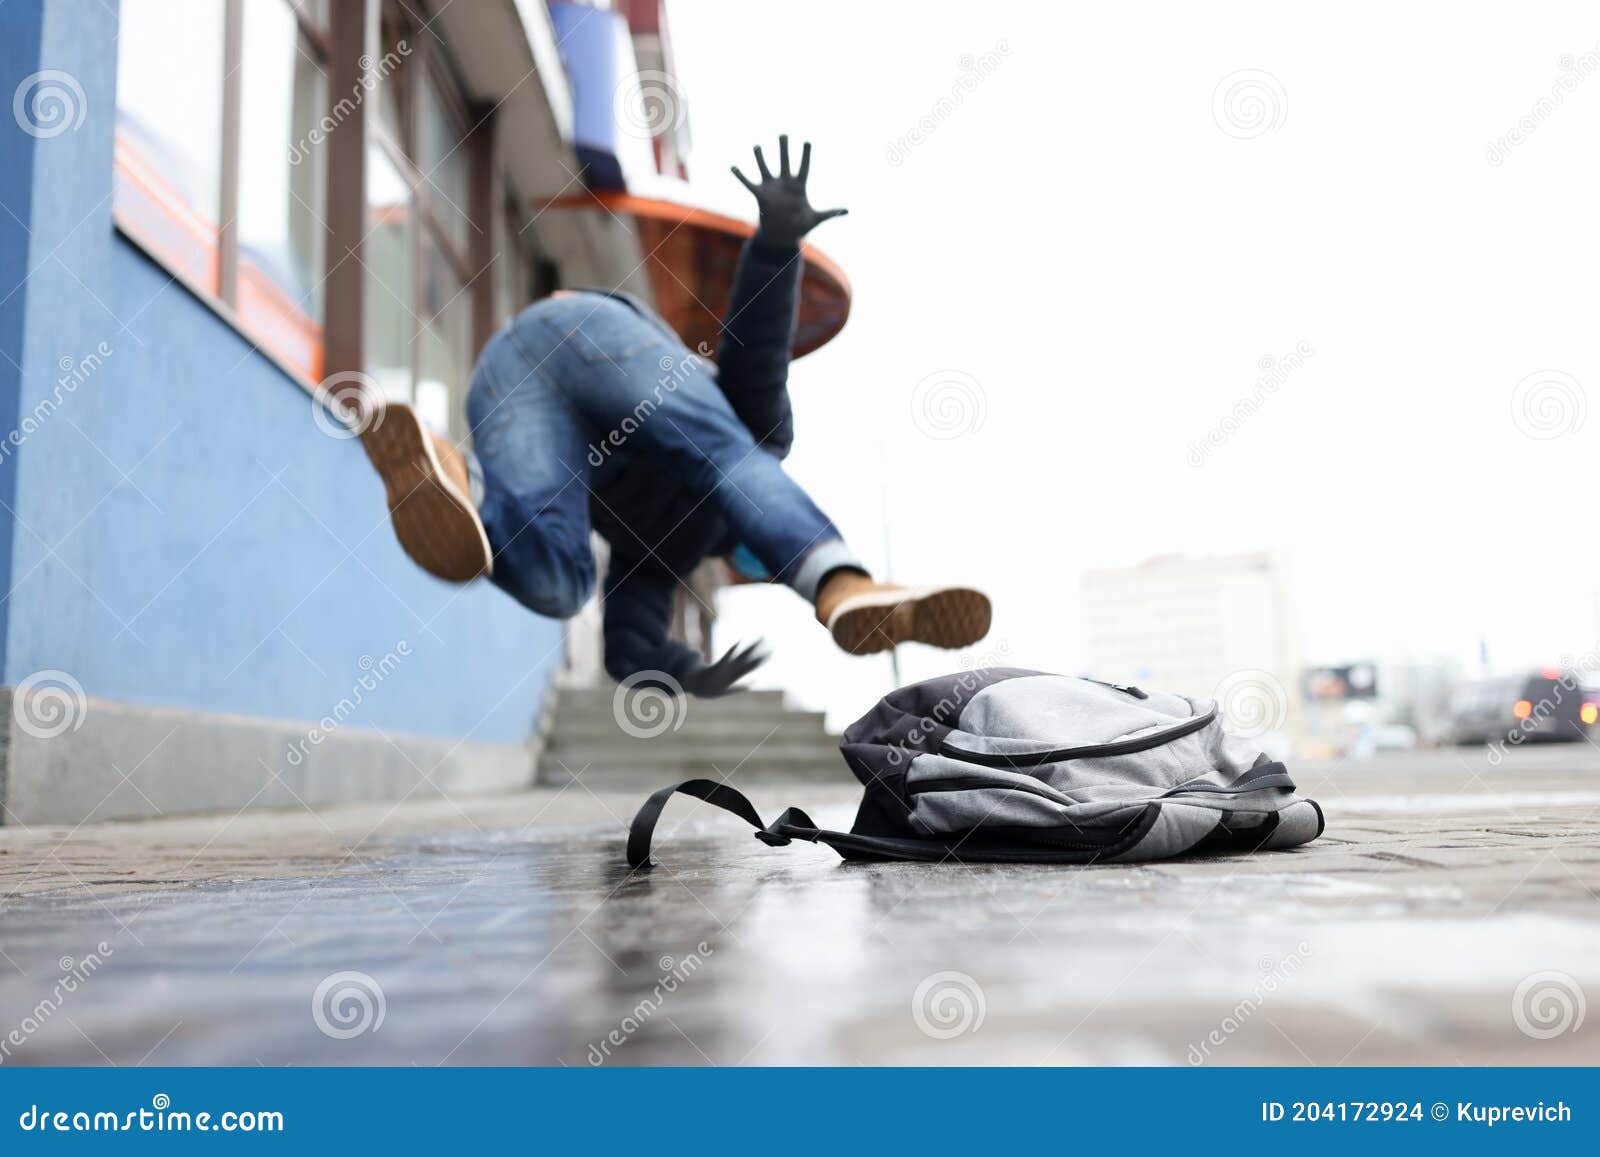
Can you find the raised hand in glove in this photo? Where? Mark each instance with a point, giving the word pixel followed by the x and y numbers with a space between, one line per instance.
pixel 786 214
pixel 711 680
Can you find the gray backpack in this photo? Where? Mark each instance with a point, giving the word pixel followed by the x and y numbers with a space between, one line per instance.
pixel 1018 766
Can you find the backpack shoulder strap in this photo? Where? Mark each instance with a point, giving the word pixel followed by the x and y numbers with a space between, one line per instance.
pixel 794 824
pixel 712 792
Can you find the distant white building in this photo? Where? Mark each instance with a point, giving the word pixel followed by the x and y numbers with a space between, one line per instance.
pixel 1221 626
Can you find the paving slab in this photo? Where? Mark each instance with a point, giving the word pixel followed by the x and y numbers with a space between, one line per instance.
pixel 1449 915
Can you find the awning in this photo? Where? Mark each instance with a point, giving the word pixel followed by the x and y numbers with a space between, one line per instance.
pixel 691 254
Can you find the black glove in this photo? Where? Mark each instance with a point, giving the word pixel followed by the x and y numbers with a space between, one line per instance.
pixel 719 678
pixel 786 214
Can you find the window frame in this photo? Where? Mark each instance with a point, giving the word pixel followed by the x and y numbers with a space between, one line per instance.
pixel 427 64
pixel 320 35
pixel 223 297
pixel 336 47
pixel 439 72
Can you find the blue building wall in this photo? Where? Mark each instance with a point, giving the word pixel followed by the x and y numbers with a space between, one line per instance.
pixel 178 531
pixel 19 57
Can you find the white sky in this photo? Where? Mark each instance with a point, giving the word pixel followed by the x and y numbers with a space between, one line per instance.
pixel 1109 267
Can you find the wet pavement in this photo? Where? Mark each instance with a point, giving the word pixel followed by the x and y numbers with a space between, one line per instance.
pixel 1450 914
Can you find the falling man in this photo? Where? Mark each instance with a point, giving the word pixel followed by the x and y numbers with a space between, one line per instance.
pixel 684 474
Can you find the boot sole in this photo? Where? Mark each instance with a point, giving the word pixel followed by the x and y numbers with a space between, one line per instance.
pixel 948 617
pixel 437 525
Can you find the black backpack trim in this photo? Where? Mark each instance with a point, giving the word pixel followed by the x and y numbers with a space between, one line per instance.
pixel 1017 845
pixel 907 722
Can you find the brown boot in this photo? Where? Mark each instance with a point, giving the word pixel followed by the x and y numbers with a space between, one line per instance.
pixel 865 616
pixel 430 504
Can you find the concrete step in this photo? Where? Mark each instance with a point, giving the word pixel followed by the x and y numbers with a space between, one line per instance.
pixel 750 736
pixel 725 754
pixel 720 730
pixel 659 773
pixel 601 701
pixel 707 731
pixel 687 712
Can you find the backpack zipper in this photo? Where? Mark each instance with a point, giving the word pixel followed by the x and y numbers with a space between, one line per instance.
pixel 1269 775
pixel 1125 688
pixel 977 783
pixel 1060 754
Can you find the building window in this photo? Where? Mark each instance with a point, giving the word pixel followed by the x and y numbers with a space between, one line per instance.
pixel 168 186
pixel 387 255
pixel 282 209
pixel 444 336
pixel 419 312
pixel 191 106
pixel 228 127
pixel 441 156
pixel 393 108
pixel 512 271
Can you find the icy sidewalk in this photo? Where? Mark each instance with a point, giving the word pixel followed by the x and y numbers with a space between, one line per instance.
pixel 1448 915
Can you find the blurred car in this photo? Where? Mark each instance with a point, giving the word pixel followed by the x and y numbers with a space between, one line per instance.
pixel 1394 737
pixel 1369 739
pixel 1547 705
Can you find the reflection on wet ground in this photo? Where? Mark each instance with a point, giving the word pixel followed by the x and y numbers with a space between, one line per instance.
pixel 1408 934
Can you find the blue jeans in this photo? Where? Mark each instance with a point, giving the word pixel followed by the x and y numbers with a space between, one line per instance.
pixel 584 399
